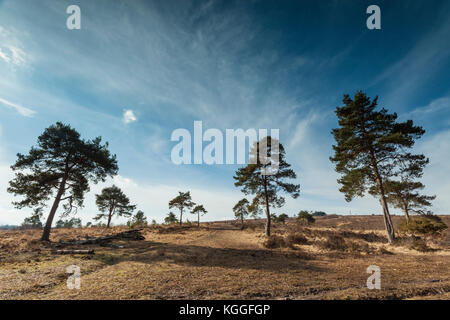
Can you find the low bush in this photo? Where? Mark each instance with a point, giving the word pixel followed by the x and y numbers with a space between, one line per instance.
pixel 414 243
pixel 296 238
pixel 333 242
pixel 305 218
pixel 274 241
pixel 422 225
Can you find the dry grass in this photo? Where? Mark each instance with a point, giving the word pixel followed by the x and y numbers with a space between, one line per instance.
pixel 327 260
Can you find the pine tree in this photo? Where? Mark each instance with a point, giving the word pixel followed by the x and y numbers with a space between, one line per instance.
pixel 112 201
pixel 33 222
pixel 62 163
pixel 199 210
pixel 370 148
pixel 405 195
pixel 265 178
pixel 139 219
pixel 241 209
pixel 171 218
pixel 181 202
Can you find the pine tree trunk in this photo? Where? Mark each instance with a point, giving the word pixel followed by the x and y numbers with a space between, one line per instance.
pixel 387 217
pixel 111 211
pixel 267 210
pixel 198 223
pixel 405 209
pixel 48 224
pixel 387 220
pixel 109 220
pixel 181 217
pixel 242 219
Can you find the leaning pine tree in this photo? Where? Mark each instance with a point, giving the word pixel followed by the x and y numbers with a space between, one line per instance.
pixel 61 163
pixel 265 178
pixel 370 148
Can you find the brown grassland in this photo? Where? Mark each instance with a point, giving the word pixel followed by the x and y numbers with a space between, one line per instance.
pixel 326 260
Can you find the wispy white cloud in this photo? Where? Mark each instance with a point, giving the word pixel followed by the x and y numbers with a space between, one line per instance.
pixel 26 112
pixel 13 55
pixel 436 105
pixel 129 116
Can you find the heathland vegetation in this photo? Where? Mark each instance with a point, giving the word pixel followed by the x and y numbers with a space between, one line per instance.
pixel 304 254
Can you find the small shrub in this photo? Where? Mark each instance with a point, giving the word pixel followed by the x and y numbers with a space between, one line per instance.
pixel 423 225
pixel 334 242
pixel 414 243
pixel 274 241
pixel 296 238
pixel 304 217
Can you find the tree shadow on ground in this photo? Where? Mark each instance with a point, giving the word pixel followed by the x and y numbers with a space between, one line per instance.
pixel 201 256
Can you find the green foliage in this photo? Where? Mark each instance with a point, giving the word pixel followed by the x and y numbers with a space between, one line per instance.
pixel 138 220
pixel 304 217
pixel 265 182
pixel 199 210
pixel 368 141
pixel 319 214
pixel 61 163
pixel 423 225
pixel 241 209
pixel 112 201
pixel 405 195
pixel 33 222
pixel 69 223
pixel 154 223
pixel 280 219
pixel 181 202
pixel 370 146
pixel 171 218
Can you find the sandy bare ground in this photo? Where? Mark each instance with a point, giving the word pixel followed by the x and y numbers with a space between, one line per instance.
pixel 220 261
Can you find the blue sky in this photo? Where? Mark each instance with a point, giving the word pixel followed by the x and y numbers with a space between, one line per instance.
pixel 231 64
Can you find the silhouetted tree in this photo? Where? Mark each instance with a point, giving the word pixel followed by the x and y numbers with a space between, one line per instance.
pixel 181 202
pixel 241 209
pixel 370 146
pixel 199 210
pixel 112 201
pixel 265 178
pixel 61 163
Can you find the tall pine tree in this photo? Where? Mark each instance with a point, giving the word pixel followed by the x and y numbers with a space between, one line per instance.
pixel 370 148
pixel 266 179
